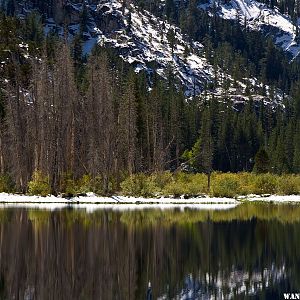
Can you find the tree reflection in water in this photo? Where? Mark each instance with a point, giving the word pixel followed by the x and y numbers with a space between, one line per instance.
pixel 69 254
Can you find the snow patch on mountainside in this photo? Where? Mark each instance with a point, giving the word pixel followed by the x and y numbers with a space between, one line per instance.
pixel 144 41
pixel 153 45
pixel 258 16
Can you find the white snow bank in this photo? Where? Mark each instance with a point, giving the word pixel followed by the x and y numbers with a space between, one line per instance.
pixel 89 208
pixel 272 198
pixel 93 199
pixel 92 202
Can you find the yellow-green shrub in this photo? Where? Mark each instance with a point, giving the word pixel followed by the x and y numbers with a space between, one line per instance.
pixel 175 188
pixel 97 185
pixel 288 185
pixel 184 183
pixel 265 184
pixel 6 184
pixel 68 184
pixel 84 184
pixel 39 185
pixel 139 185
pixel 225 185
pixel 87 184
pixel 198 184
pixel 161 179
pixel 178 185
pixel 246 183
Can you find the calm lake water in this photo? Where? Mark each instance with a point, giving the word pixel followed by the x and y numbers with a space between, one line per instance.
pixel 251 251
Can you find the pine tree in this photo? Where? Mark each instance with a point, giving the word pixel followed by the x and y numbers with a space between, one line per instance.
pixel 206 146
pixel 77 54
pixel 171 39
pixel 10 7
pixel 296 154
pixel 156 129
pixel 262 161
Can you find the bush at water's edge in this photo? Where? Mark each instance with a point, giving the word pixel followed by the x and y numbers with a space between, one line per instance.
pixel 222 184
pixel 167 184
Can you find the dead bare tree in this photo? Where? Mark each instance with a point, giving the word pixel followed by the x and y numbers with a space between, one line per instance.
pixel 101 141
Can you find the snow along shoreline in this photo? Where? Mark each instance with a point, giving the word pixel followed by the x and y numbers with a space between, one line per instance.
pixel 92 202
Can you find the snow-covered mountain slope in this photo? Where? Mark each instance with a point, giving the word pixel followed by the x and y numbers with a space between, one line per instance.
pixel 153 45
pixel 258 16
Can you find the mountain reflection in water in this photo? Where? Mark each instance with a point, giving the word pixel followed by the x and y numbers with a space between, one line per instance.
pixel 229 286
pixel 248 251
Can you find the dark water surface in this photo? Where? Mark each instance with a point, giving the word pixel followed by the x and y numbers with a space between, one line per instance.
pixel 251 251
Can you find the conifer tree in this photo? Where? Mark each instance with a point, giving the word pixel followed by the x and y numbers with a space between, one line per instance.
pixel 262 161
pixel 296 154
pixel 206 146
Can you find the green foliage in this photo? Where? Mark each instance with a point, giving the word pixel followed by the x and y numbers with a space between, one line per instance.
pixel 192 157
pixel 164 184
pixel 87 184
pixel 171 39
pixel 200 157
pixel 97 185
pixel 84 184
pixel 6 184
pixel 33 29
pixel 68 184
pixel 139 185
pixel 161 179
pixel 262 162
pixel 225 185
pixel 39 185
pixel 222 184
pixel 265 184
pixel 186 184
pixel 289 185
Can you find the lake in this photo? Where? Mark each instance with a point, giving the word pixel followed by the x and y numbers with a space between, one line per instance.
pixel 250 251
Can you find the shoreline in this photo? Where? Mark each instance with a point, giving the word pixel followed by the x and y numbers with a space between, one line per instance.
pixel 89 208
pixel 92 202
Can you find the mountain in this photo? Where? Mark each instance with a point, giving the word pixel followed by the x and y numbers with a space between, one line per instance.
pixel 150 44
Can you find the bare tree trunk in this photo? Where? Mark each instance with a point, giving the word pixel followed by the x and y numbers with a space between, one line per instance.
pixel 2 166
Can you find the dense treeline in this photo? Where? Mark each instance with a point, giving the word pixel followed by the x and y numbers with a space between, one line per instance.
pixel 64 116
